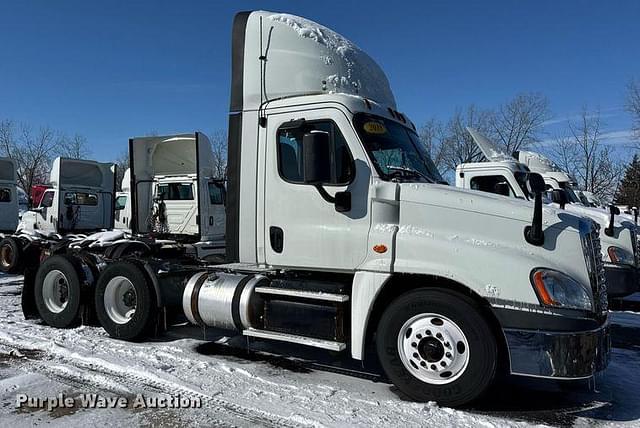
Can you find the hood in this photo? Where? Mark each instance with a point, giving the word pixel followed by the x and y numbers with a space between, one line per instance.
pixel 483 203
pixel 598 215
pixel 489 149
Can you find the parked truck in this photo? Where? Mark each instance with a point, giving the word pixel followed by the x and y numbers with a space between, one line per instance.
pixel 78 201
pixel 338 235
pixel 505 175
pixel 9 198
pixel 619 236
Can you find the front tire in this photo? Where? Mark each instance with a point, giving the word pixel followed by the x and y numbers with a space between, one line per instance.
pixel 125 302
pixel 434 345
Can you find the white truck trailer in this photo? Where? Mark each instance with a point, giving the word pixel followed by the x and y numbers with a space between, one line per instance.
pixel 337 235
pixel 505 175
pixel 79 201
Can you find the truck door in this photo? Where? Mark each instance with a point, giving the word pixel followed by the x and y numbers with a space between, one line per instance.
pixel 46 216
pixel 180 206
pixel 302 229
pixel 213 220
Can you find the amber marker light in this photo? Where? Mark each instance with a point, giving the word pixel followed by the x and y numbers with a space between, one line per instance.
pixel 542 290
pixel 380 248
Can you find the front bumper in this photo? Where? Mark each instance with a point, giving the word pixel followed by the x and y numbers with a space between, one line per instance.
pixel 558 354
pixel 622 280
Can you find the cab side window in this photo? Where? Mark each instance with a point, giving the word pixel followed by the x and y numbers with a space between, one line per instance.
pixel 497 184
pixel 216 193
pixel 121 202
pixel 5 194
pixel 291 162
pixel 47 200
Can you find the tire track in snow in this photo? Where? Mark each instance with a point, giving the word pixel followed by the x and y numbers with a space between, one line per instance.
pixel 143 380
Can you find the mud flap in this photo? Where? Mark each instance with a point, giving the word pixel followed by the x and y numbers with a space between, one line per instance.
pixel 29 309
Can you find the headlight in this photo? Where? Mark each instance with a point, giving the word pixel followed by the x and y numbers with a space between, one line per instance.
pixel 559 290
pixel 621 256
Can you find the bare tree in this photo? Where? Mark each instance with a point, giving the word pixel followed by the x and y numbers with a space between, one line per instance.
pixel 219 149
pixel 122 164
pixel 457 144
pixel 32 151
pixel 518 123
pixel 632 105
pixel 75 147
pixel 583 154
pixel 432 136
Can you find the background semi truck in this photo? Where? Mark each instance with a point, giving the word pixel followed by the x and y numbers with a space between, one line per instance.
pixel 338 236
pixel 9 198
pixel 78 201
pixel 504 175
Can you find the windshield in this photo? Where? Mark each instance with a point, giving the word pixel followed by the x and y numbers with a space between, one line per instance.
pixel 396 151
pixel 571 195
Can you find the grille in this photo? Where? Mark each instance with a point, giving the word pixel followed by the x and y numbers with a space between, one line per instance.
pixel 636 246
pixel 596 275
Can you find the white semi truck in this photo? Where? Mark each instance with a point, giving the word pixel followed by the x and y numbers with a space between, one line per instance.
pixel 337 236
pixel 619 237
pixel 79 201
pixel 505 175
pixel 9 197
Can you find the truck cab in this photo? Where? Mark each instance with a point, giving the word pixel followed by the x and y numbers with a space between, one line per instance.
pixel 122 204
pixel 9 196
pixel 618 248
pixel 79 200
pixel 174 193
pixel 338 230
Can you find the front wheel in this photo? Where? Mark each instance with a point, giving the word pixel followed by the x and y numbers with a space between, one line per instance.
pixel 125 302
pixel 434 345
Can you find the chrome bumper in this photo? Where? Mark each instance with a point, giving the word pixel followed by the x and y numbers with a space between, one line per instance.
pixel 559 355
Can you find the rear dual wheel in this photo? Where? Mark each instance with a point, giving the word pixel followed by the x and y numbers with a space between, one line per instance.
pixel 11 255
pixel 59 291
pixel 435 345
pixel 125 301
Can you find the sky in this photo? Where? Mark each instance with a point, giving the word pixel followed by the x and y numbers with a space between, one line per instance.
pixel 112 70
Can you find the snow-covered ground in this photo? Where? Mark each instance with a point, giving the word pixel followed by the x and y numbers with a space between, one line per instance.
pixel 237 387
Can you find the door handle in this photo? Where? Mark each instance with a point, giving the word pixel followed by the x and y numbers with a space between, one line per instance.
pixel 276 238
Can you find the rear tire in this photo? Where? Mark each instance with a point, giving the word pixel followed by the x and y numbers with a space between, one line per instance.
pixel 58 291
pixel 11 256
pixel 125 301
pixel 435 346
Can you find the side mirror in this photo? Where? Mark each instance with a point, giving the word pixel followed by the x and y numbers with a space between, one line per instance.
pixel 342 201
pixel 613 212
pixel 502 189
pixel 535 183
pixel 558 196
pixel 635 215
pixel 316 153
pixel 534 234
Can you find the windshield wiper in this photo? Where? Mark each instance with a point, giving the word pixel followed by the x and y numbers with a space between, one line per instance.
pixel 410 171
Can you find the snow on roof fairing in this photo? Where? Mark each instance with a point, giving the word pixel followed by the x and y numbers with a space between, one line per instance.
pixel 304 57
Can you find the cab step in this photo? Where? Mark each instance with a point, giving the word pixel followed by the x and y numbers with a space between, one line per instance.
pixel 292 338
pixel 304 294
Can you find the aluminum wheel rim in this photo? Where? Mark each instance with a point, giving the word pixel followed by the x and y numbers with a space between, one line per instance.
pixel 120 300
pixel 6 254
pixel 433 348
pixel 55 291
